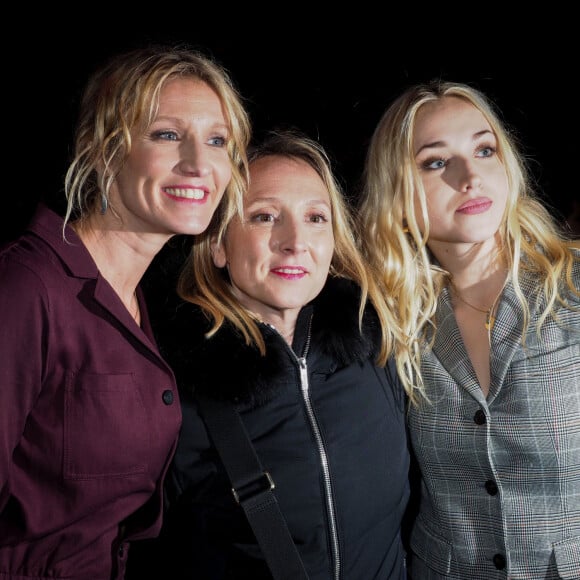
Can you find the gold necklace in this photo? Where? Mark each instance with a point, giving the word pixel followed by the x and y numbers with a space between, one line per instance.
pixel 489 317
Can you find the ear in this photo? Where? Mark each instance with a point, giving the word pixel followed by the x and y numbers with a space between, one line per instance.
pixel 218 253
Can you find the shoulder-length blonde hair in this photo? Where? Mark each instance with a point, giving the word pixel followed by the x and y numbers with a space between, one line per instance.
pixel 395 248
pixel 202 283
pixel 122 96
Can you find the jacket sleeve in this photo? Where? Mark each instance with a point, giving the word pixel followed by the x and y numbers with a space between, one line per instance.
pixel 23 308
pixel 190 466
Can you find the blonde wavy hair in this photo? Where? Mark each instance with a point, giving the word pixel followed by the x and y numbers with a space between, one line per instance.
pixel 397 252
pixel 202 283
pixel 123 96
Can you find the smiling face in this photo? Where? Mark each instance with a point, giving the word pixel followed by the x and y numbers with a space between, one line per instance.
pixel 465 183
pixel 178 169
pixel 279 256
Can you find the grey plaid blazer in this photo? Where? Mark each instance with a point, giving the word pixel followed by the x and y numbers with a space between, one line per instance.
pixel 500 496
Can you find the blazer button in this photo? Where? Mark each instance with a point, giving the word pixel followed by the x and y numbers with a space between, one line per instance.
pixel 499 561
pixel 479 417
pixel 167 397
pixel 491 487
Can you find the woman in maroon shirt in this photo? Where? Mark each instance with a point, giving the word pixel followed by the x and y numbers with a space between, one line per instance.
pixel 89 413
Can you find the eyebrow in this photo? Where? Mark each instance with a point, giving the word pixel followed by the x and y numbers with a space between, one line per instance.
pixel 218 124
pixel 274 199
pixel 435 144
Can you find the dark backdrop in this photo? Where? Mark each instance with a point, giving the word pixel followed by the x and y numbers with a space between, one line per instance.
pixel 331 80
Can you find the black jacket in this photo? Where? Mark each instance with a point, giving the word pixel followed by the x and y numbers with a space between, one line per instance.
pixel 350 418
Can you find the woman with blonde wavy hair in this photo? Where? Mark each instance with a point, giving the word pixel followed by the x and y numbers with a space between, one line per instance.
pixel 89 410
pixel 485 287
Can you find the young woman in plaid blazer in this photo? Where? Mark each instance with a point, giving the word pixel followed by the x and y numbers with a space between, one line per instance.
pixel 485 285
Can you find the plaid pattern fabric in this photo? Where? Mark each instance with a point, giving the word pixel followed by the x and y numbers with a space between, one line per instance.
pixel 501 490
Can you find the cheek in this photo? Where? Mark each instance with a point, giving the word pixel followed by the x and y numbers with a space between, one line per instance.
pixel 245 249
pixel 140 166
pixel 223 171
pixel 128 179
pixel 325 250
pixel 246 268
pixel 501 183
pixel 143 158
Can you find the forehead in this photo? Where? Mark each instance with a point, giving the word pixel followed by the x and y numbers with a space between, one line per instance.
pixel 278 163
pixel 284 176
pixel 446 118
pixel 188 91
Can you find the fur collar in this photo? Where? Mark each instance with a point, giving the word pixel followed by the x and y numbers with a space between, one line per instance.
pixel 225 367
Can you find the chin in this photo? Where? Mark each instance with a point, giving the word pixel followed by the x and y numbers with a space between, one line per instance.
pixel 195 227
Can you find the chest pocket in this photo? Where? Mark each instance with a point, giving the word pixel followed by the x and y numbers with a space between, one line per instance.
pixel 105 427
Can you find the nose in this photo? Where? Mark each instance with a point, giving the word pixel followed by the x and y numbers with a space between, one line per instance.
pixel 469 178
pixel 194 159
pixel 292 237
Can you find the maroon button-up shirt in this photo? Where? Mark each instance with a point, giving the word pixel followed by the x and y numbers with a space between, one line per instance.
pixel 89 413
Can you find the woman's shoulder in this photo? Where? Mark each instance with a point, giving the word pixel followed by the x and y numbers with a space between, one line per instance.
pixel 336 327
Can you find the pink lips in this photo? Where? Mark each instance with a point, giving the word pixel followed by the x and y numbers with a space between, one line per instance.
pixel 475 206
pixel 289 272
pixel 187 194
pixel 187 200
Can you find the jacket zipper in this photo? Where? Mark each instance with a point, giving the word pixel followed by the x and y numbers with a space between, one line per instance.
pixel 305 389
pixel 325 469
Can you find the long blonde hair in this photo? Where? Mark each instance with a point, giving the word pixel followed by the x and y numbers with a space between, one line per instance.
pixel 202 283
pixel 124 95
pixel 396 250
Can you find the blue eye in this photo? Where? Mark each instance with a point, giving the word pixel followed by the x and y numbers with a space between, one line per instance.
pixel 263 217
pixel 165 135
pixel 218 141
pixel 486 151
pixel 434 164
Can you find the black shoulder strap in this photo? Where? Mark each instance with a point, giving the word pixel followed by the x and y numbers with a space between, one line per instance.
pixel 252 488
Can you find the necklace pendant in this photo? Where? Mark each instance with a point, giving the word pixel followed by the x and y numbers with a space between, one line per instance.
pixel 489 321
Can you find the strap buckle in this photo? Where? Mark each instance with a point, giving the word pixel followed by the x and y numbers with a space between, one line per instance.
pixel 254 487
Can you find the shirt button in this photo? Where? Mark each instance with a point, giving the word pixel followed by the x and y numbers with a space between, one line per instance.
pixel 167 397
pixel 479 417
pixel 499 561
pixel 491 487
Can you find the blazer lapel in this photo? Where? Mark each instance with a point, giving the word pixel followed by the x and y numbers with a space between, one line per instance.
pixel 450 350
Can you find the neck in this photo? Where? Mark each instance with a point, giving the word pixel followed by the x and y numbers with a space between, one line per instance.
pixel 122 257
pixel 120 261
pixel 481 297
pixel 468 263
pixel 480 291
pixel 488 311
pixel 284 325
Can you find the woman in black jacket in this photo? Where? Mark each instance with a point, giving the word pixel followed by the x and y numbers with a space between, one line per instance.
pixel 278 322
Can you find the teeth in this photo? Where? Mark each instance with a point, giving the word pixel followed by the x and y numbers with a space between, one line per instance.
pixel 291 270
pixel 187 193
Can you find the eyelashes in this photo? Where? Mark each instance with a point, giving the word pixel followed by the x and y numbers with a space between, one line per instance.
pixel 264 217
pixel 171 135
pixel 435 163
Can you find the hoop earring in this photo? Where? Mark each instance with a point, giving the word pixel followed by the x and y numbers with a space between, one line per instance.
pixel 104 203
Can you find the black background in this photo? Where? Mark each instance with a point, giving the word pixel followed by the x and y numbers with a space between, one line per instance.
pixel 332 77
